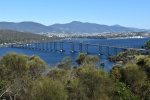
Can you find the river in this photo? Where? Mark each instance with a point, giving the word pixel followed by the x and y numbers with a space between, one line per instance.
pixel 52 58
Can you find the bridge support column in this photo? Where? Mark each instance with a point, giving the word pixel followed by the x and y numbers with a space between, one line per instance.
pixel 72 47
pixel 99 50
pixel 35 46
pixel 38 48
pixel 50 46
pixel 43 46
pixel 61 46
pixel 46 46
pixel 22 45
pixel 80 47
pixel 25 46
pixel 86 49
pixel 115 51
pixel 55 46
pixel 107 50
pixel 12 46
pixel 28 46
pixel 31 46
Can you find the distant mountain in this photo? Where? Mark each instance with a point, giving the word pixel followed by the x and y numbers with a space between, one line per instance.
pixel 79 27
pixel 25 27
pixel 73 27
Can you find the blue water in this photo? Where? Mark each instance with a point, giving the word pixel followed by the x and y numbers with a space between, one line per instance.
pixel 52 58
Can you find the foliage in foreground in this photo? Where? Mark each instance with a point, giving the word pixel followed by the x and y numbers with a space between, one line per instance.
pixel 25 78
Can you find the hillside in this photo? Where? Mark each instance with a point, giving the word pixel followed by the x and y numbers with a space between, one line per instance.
pixel 73 27
pixel 25 27
pixel 80 27
pixel 7 36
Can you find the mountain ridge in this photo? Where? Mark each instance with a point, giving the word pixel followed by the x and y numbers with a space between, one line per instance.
pixel 72 27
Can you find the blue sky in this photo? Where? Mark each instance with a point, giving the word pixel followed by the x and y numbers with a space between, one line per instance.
pixel 130 13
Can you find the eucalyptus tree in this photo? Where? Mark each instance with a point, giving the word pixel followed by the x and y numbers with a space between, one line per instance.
pixel 82 58
pixel 48 89
pixel 37 66
pixel 17 74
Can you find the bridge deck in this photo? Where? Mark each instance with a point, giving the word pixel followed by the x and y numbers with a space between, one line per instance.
pixel 54 43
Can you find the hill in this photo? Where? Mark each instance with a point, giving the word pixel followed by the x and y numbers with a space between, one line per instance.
pixel 73 27
pixel 9 36
pixel 80 27
pixel 25 27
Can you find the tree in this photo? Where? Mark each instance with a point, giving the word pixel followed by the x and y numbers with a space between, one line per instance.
pixel 48 89
pixel 95 82
pixel 135 78
pixel 66 63
pixel 123 93
pixel 92 59
pixel 82 58
pixel 144 63
pixel 15 69
pixel 75 89
pixel 115 73
pixel 58 74
pixel 102 64
pixel 15 65
pixel 17 72
pixel 147 45
pixel 36 66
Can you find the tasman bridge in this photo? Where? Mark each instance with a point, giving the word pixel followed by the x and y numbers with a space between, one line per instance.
pixel 73 47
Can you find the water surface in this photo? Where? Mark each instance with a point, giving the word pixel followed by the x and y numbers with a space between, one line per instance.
pixel 52 58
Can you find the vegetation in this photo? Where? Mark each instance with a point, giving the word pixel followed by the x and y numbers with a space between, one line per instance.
pixel 28 78
pixel 10 36
pixel 147 45
pixel 125 57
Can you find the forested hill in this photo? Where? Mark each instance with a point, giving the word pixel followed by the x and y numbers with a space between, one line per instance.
pixel 7 36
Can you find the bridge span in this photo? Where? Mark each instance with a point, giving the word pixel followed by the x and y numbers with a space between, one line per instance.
pixel 72 47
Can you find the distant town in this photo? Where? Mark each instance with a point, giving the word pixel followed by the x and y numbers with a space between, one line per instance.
pixel 104 35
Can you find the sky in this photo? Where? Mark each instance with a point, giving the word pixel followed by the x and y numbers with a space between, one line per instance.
pixel 129 13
